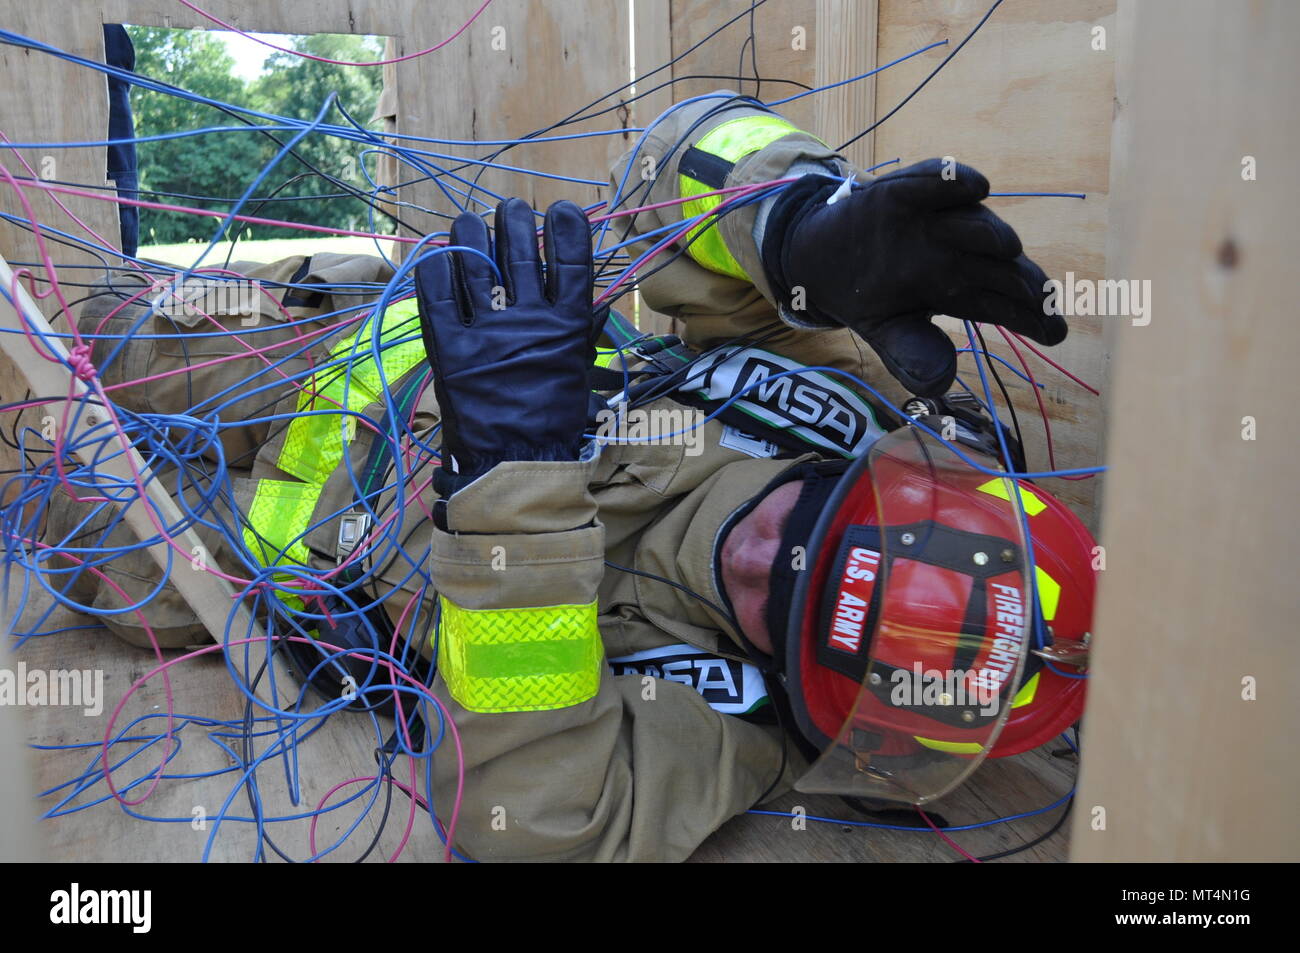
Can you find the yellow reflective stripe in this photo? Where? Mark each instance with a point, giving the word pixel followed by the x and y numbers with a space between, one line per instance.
pixel 1026 693
pixel 531 659
pixel 956 747
pixel 313 445
pixel 731 140
pixel 1049 593
pixel 998 487
pixel 280 512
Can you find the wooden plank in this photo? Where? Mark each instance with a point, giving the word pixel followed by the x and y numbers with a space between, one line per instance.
pixel 211 597
pixel 21 840
pixel 788 37
pixel 848 31
pixel 652 51
pixel 652 39
pixel 1028 103
pixel 520 67
pixel 28 79
pixel 1199 590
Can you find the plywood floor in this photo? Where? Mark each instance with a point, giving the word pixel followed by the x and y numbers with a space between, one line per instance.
pixel 344 748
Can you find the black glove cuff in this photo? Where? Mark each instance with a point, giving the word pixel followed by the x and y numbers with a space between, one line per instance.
pixel 798 200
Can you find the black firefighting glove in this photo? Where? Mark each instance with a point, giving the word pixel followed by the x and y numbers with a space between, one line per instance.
pixel 888 255
pixel 510 355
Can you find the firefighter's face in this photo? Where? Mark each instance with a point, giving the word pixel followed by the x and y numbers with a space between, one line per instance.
pixel 747 557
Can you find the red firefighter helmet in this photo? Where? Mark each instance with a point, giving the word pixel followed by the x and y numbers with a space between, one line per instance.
pixel 917 646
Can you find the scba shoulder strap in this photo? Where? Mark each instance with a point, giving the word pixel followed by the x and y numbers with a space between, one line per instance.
pixel 772 398
pixel 757 392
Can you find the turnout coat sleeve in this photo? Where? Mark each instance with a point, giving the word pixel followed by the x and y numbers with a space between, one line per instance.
pixel 714 307
pixel 638 771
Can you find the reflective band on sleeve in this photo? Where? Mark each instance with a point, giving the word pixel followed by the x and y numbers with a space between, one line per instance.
pixel 533 659
pixel 280 514
pixel 731 140
pixel 1049 593
pixel 313 445
pixel 998 487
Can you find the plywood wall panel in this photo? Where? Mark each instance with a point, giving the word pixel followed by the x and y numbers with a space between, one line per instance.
pixel 1028 102
pixel 1188 751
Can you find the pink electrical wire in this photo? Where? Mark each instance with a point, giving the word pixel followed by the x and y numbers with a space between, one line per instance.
pixel 67 211
pixel 946 839
pixel 666 242
pixel 208 213
pixel 1084 385
pixel 161 375
pixel 106 243
pixel 84 371
pixel 410 823
pixel 691 198
pixel 321 59
pixel 1042 408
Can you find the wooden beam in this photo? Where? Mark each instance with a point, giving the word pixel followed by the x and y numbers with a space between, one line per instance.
pixel 212 598
pixel 846 46
pixel 652 40
pixel 1187 745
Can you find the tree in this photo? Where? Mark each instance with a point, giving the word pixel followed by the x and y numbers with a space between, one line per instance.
pixel 218 166
pixel 297 88
pixel 215 165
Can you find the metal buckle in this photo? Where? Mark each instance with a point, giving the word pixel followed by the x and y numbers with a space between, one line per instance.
pixel 353 527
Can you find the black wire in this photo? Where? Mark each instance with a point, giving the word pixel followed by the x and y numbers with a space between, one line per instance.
pixel 908 97
pixel 278 644
pixel 577 116
pixel 1069 805
pixel 677 585
pixel 740 67
pixel 753 56
pixel 1011 408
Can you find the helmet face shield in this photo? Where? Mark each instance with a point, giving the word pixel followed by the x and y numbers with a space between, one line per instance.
pixel 910 632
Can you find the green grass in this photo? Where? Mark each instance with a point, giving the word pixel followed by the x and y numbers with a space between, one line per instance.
pixel 185 254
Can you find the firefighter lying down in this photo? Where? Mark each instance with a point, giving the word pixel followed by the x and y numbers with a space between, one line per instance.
pixel 640 638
